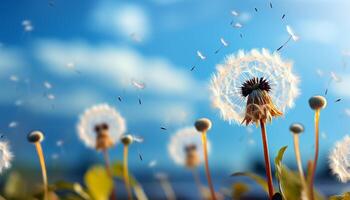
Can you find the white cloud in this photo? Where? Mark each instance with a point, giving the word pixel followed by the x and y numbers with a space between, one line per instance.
pixel 10 61
pixel 115 67
pixel 321 31
pixel 125 20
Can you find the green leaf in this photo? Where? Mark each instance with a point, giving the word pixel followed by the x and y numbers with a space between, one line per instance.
pixel 279 157
pixel 99 184
pixel 239 189
pixel 15 186
pixel 258 179
pixel 72 187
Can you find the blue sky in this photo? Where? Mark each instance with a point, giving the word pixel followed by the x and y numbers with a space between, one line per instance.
pixel 90 51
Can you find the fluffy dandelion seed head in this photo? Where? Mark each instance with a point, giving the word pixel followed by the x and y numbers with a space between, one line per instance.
pixel 317 102
pixel 203 125
pixel 6 156
pixel 296 128
pixel 127 139
pixel 339 159
pixel 255 85
pixel 181 141
pixel 35 136
pixel 101 126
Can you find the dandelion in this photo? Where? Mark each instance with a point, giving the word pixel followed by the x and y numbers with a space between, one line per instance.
pixel 339 159
pixel 316 103
pixel 296 129
pixel 253 88
pixel 6 156
pixel 128 140
pixel 292 33
pixel 200 55
pixel 100 127
pixel 203 125
pixel 36 137
pixel 184 148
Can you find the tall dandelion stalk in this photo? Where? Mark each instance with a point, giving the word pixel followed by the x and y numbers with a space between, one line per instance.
pixel 253 88
pixel 316 103
pixel 202 126
pixel 296 130
pixel 100 128
pixel 36 137
pixel 127 140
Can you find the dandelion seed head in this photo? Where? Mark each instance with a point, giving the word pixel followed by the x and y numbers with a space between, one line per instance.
pixel 317 102
pixel 127 139
pixel 203 125
pixel 6 156
pixel 35 136
pixel 296 128
pixel 339 159
pixel 97 115
pixel 182 139
pixel 226 84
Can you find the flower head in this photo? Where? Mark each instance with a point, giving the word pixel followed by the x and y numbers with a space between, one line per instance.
pixel 5 156
pixel 186 148
pixel 339 159
pixel 253 86
pixel 101 127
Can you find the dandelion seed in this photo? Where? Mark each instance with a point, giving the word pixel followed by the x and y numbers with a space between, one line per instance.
pixel 54 156
pixel 256 10
pixel 27 25
pixel 152 163
pixel 335 77
pixel 319 72
pixel 18 103
pixel 47 85
pixel 234 13
pixel 238 25
pixel 140 102
pixel 138 85
pixel 163 128
pixel 283 16
pixel 51 97
pixel 59 143
pixel 193 68
pixel 240 35
pixel 337 100
pixel 200 55
pixel 251 142
pixel 270 5
pixel 224 43
pixel 14 78
pixel 292 33
pixel 13 124
pixel 339 161
pixel 120 98
pixel 6 156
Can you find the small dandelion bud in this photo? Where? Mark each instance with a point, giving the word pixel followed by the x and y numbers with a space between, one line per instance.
pixel 296 128
pixel 277 196
pixel 203 124
pixel 127 139
pixel 317 102
pixel 35 136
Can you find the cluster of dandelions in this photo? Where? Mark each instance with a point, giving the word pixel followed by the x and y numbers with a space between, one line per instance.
pixel 226 84
pixel 339 159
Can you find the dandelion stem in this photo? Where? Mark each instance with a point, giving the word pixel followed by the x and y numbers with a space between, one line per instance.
pixel 43 168
pixel 298 158
pixel 207 171
pixel 109 172
pixel 197 181
pixel 267 159
pixel 314 164
pixel 126 172
pixel 168 190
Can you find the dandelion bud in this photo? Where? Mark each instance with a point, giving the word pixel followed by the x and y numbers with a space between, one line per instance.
pixel 296 128
pixel 277 196
pixel 203 124
pixel 317 102
pixel 35 136
pixel 127 139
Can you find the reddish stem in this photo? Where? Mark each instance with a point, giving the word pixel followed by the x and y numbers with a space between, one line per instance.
pixel 314 164
pixel 267 159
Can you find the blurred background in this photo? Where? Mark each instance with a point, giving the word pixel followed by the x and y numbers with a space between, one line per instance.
pixel 59 57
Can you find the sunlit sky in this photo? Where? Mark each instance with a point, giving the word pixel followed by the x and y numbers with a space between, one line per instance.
pixel 91 51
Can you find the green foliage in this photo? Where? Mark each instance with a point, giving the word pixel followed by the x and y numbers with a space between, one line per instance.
pixel 15 187
pixel 239 189
pixel 258 179
pixel 345 196
pixel 75 189
pixel 98 183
